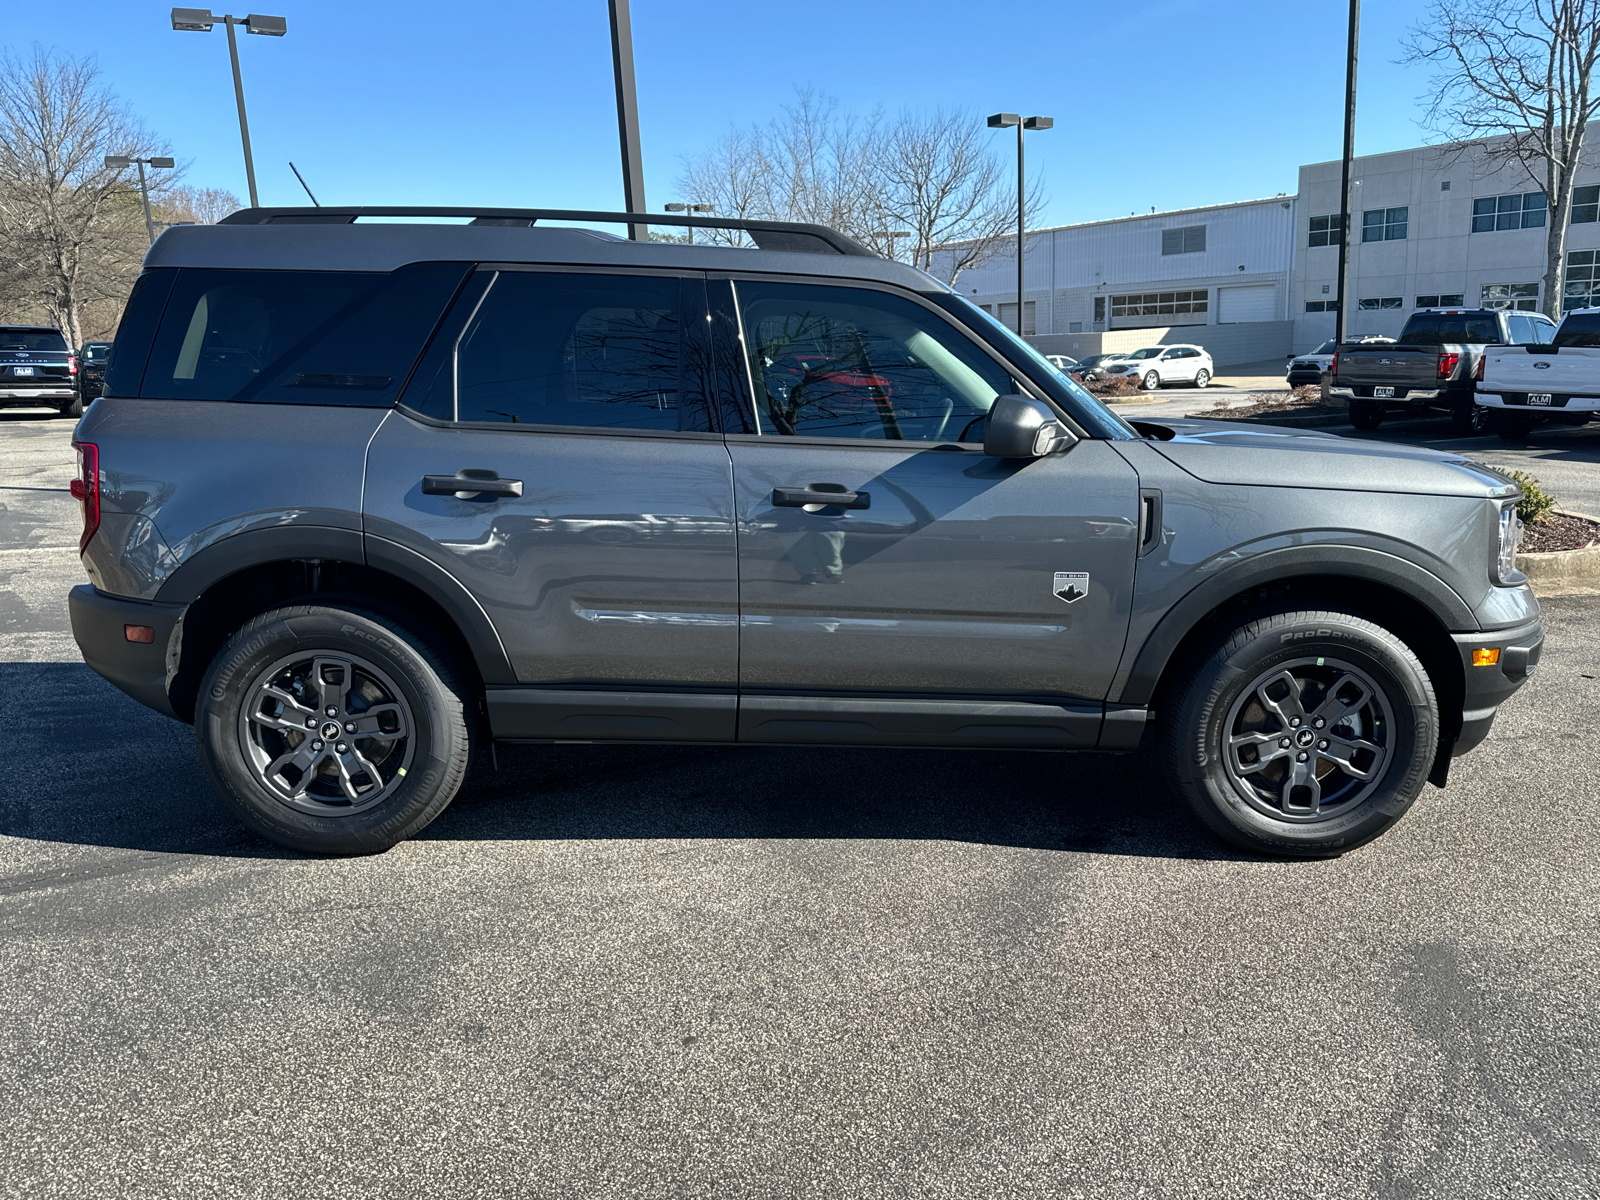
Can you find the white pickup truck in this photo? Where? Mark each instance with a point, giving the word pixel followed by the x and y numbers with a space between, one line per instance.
pixel 1522 386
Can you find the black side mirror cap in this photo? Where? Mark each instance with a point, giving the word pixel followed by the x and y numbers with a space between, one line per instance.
pixel 1022 427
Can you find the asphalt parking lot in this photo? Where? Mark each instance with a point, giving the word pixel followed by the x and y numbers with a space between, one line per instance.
pixel 771 972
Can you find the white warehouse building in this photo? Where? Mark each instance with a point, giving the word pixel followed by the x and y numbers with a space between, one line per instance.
pixel 1256 280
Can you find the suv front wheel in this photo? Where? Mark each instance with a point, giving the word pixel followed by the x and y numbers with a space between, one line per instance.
pixel 333 730
pixel 1304 733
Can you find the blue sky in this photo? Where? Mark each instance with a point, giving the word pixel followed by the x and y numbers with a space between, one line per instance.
pixel 1164 103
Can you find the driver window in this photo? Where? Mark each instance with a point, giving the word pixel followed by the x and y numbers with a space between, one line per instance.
pixel 855 363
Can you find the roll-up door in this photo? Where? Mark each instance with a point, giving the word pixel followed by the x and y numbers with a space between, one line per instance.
pixel 1247 302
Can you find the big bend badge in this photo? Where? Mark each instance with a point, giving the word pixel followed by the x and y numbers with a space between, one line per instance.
pixel 1070 585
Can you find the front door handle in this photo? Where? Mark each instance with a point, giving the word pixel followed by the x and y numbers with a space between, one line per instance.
pixel 470 482
pixel 820 493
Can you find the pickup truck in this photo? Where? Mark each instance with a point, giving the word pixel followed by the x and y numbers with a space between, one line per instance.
pixel 1433 364
pixel 1558 381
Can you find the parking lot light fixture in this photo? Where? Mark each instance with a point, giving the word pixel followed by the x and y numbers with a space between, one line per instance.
pixel 1007 121
pixel 889 235
pixel 117 162
pixel 201 20
pixel 690 208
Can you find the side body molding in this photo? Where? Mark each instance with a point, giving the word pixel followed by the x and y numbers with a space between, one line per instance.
pixel 1273 566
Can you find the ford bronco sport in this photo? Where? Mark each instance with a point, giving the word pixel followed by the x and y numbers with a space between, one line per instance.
pixel 360 497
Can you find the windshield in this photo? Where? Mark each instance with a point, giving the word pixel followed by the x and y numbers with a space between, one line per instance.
pixel 1326 347
pixel 1579 329
pixel 1147 352
pixel 31 339
pixel 95 351
pixel 1095 416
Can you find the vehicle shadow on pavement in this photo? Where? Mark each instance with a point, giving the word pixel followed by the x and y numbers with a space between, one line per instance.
pixel 105 771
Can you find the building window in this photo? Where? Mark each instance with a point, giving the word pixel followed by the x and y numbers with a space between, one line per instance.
pixel 1100 309
pixel 1585 205
pixel 1521 297
pixel 1325 230
pixel 1384 224
pixel 1074 326
pixel 1442 300
pixel 1322 306
pixel 1582 289
pixel 1159 304
pixel 1369 303
pixel 1525 210
pixel 1191 239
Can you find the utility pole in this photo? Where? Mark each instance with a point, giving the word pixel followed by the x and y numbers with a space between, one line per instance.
pixel 116 162
pixel 628 117
pixel 1006 121
pixel 201 20
pixel 1345 229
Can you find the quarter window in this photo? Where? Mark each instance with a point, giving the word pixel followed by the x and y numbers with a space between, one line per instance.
pixel 1384 224
pixel 1521 210
pixel 1325 230
pixel 1190 239
pixel 595 351
pixel 853 363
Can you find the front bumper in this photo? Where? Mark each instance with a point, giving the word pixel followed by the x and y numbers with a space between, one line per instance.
pixel 1488 687
pixel 142 669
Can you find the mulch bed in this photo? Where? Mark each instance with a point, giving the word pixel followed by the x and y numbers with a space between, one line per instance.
pixel 1303 401
pixel 1559 532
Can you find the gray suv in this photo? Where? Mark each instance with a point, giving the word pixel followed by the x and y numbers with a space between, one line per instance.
pixel 360 497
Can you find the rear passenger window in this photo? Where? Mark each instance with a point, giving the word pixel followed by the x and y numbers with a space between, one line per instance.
pixel 1579 329
pixel 296 337
pixel 594 351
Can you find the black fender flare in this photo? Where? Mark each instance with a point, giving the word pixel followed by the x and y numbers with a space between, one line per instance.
pixel 1274 566
pixel 287 543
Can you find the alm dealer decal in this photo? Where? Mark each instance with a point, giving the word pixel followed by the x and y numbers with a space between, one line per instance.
pixel 1070 585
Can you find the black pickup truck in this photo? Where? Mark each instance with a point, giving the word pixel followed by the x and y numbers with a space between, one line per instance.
pixel 1433 364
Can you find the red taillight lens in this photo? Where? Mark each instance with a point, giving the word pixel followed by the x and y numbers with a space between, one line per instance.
pixel 1447 363
pixel 1333 367
pixel 86 490
pixel 1478 374
pixel 72 364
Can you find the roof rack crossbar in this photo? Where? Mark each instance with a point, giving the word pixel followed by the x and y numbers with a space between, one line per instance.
pixel 793 236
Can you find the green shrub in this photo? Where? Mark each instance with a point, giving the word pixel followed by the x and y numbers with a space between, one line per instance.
pixel 1536 503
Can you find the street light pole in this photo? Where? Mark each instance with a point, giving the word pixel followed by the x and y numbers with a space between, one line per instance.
pixel 201 20
pixel 1006 121
pixel 118 161
pixel 1345 230
pixel 889 235
pixel 690 209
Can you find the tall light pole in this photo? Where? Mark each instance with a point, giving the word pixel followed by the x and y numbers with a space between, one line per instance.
pixel 690 208
pixel 628 116
pixel 1344 173
pixel 119 161
pixel 200 20
pixel 889 235
pixel 1006 121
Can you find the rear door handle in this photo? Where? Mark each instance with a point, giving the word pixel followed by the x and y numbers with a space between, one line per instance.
pixel 820 493
pixel 470 482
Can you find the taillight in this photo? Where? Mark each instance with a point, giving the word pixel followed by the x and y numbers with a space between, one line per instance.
pixel 1478 374
pixel 1333 367
pixel 72 364
pixel 86 490
pixel 1447 363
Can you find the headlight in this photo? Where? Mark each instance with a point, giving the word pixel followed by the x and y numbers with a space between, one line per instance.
pixel 1508 536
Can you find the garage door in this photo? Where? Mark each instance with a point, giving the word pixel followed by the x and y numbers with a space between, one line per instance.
pixel 1248 302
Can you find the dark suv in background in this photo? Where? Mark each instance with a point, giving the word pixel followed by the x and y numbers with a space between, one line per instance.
pixel 360 498
pixel 92 358
pixel 38 370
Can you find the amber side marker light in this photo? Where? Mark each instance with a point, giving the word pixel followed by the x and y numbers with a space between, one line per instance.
pixel 147 633
pixel 1485 658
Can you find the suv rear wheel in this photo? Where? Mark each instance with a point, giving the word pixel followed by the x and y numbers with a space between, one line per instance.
pixel 73 408
pixel 333 730
pixel 1304 733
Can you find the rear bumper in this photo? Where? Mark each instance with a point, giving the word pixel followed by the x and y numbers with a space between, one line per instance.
pixel 1558 402
pixel 1364 392
pixel 138 668
pixel 1491 686
pixel 32 396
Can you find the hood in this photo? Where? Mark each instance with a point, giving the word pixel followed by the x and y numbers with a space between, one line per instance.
pixel 1236 454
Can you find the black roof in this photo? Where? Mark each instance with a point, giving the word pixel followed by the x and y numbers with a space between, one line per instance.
pixel 334 240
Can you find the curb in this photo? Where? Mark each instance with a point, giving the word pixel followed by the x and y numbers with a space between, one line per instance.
pixel 1563 572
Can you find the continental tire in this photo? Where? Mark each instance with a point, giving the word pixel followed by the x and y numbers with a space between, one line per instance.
pixel 1303 734
pixel 333 730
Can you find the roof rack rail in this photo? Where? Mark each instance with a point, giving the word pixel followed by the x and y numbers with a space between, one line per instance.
pixel 792 236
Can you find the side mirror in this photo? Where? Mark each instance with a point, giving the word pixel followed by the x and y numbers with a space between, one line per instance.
pixel 1022 427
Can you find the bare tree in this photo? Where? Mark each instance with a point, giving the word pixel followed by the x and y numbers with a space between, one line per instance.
pixel 940 181
pixel 202 206
pixel 1517 72
pixel 71 231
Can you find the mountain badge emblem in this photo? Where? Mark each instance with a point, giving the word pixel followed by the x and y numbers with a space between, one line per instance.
pixel 1070 585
